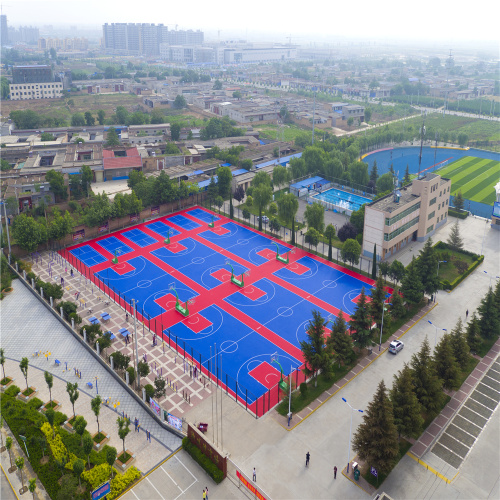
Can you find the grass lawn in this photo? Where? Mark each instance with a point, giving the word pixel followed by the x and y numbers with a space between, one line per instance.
pixel 290 132
pixel 474 177
pixel 448 271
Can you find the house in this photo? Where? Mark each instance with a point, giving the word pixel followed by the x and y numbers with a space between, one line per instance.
pixel 119 161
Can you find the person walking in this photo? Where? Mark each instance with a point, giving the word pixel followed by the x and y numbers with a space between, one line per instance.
pixel 206 492
pixel 466 314
pixel 335 472
pixel 204 495
pixel 308 456
pixel 126 317
pixel 254 475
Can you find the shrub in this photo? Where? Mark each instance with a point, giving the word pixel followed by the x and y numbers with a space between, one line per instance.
pixel 97 475
pixel 150 391
pixel 121 481
pixel 212 470
pixel 35 403
pixel 303 389
pixel 12 391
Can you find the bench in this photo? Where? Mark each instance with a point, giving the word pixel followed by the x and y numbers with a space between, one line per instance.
pixel 202 427
pixel 89 384
pixel 57 362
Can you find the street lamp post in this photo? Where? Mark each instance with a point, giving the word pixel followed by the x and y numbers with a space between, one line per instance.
pixel 350 432
pixel 382 324
pixel 134 303
pixel 437 328
pixel 491 276
pixel 440 262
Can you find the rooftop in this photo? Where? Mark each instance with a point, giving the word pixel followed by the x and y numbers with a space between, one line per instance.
pixel 387 203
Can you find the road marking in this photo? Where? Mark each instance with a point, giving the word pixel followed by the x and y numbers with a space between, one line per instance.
pixel 155 488
pixel 170 477
pixel 132 490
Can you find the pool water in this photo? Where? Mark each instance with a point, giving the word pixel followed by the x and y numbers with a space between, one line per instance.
pixel 343 199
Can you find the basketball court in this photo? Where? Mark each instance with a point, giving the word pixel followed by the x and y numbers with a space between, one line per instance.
pixel 235 302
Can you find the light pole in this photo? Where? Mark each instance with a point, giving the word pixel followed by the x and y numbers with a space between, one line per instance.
pixel 440 262
pixel 382 324
pixel 484 234
pixel 437 328
pixel 350 432
pixel 491 276
pixel 136 361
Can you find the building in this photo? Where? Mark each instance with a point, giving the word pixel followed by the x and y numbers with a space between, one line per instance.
pixel 32 74
pixel 70 44
pixel 4 29
pixel 35 91
pixel 119 161
pixel 343 111
pixel 412 213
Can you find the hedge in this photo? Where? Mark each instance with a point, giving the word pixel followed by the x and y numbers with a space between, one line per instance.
pixel 450 286
pixel 461 214
pixel 210 468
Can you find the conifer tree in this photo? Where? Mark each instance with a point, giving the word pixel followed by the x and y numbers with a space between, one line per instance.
pixel 340 342
pixel 407 409
pixel 428 386
pixel 412 286
pixel 378 294
pixel 459 344
pixel 374 263
pixel 427 267
pixel 446 365
pixel 397 309
pixel 455 241
pixel 407 179
pixel 497 295
pixel 376 438
pixel 489 323
pixel 317 354
pixel 472 333
pixel 360 322
pixel 374 172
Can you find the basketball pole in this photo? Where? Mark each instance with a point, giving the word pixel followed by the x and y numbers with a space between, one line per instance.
pixel 216 391
pixel 221 396
pixel 210 378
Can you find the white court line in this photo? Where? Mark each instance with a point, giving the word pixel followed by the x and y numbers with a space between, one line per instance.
pixel 155 488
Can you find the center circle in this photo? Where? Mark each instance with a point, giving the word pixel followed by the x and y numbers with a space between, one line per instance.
pixel 329 284
pixel 284 311
pixel 144 284
pixel 242 241
pixel 229 346
pixel 198 260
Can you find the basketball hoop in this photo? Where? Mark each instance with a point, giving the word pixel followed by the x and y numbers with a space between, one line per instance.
pixel 246 273
pixel 191 301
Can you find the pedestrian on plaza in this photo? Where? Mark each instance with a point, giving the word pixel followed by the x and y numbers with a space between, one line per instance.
pixel 71 272
pixel 335 472
pixel 308 456
pixel 126 317
pixel 204 495
pixel 254 475
pixel 135 424
pixel 466 314
pixel 206 492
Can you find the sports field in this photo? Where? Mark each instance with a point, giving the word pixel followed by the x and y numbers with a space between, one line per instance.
pixel 474 177
pixel 251 327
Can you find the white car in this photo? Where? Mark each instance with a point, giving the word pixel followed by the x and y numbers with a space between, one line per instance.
pixel 265 219
pixel 395 346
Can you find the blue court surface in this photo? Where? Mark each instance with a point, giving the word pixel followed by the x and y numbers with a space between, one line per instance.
pixel 200 214
pixel 139 237
pixel 162 229
pixel 244 243
pixel 112 244
pixel 198 262
pixel 183 222
pixel 88 255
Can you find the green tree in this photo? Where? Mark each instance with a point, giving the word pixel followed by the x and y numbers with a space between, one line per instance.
pixel 50 414
pixel 463 139
pixel 446 365
pixel 47 136
pixel 212 190
pixel 376 438
pixel 2 361
pixel 32 486
pixel 5 88
pixel 489 324
pixel 225 178
pixel 377 302
pixel 120 361
pixel 397 309
pixel 180 102
pixel 160 387
pixel 175 131
pixel 288 206
pixel 359 173
pixel 77 120
pixel 312 237
pixel 112 138
pixel 407 178
pixel 101 114
pixel 407 409
pixel 314 215
pixel 95 404
pixel 455 241
pixel 87 176
pixel 23 365
pixel 428 386
pixel 5 165
pixel 317 354
pixel 350 251
pixel 385 183
pixel 274 225
pixel 262 195
pixel 49 378
pixel 411 286
pixel 360 322
pixel 89 119
pixel 217 85
pixel 473 333
pixel 72 390
pixel 8 445
pixel 374 262
pixel 427 265
pixel 458 201
pixel 80 424
pixel 219 201
pixel 397 271
pixel 123 430
pixel 357 219
pixel 143 369
pixel 280 176
pixel 110 457
pixel 20 466
pixel 57 185
pixel 87 444
pixel 459 344
pixel 78 466
pixel 330 234
pixel 261 178
pixel 350 121
pixel 340 342
pixel 384 268
pixel 135 177
pixel 374 172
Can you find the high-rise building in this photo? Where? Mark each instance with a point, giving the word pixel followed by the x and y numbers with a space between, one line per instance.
pixel 4 29
pixel 32 74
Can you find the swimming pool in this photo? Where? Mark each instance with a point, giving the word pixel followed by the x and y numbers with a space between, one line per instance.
pixel 341 200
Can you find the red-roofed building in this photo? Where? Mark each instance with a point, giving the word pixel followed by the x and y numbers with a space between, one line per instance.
pixel 119 161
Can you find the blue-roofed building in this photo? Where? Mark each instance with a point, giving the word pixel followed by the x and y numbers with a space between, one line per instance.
pixel 310 183
pixel 203 185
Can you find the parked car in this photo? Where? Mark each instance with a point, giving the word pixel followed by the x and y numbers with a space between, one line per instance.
pixel 395 346
pixel 265 219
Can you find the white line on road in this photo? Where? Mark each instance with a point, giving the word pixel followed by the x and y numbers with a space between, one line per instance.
pixel 154 488
pixel 170 477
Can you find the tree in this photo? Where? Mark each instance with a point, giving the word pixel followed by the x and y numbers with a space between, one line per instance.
pixel 317 354
pixel 350 121
pixel 330 234
pixel 50 414
pixel 123 429
pixel 261 178
pixel 100 116
pixel 351 251
pixel 427 265
pixel 396 271
pixel 374 171
pixel 262 195
pixel 89 119
pixel 219 201
pixel 78 120
pixel 384 268
pixel 120 361
pixel 111 457
pixel 80 425
pixel 217 85
pixel 287 207
pixel 57 185
pixel 312 237
pixel 78 466
pixel 280 175
pixel 455 241
pixel 463 139
pixel 160 387
pixel 347 232
pixel 50 382
pixel 143 369
pixel 2 361
pixel 87 444
pixel 473 334
pixel 459 344
pixel 397 309
pixel 446 365
pixel 23 365
pixel 225 178
pixel 376 438
pixel 72 390
pixel 104 342
pixel 175 131
pixel 377 302
pixel 8 445
pixel 314 215
pixel 20 466
pixel 112 138
pixel 47 136
pixel 428 386
pixel 385 183
pixel 374 262
pixel 87 176
pixel 357 219
pixel 340 342
pixel 411 286
pixel 180 102
pixel 406 407
pixel 246 213
pixel 274 225
pixel 458 201
pixel 360 322
pixel 407 177
pixel 212 190
pixel 32 486
pixel 95 404
pixel 489 323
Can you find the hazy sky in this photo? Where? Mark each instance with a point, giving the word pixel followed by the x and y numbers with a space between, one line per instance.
pixel 424 19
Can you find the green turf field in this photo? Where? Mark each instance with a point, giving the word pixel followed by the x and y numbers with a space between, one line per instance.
pixel 475 177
